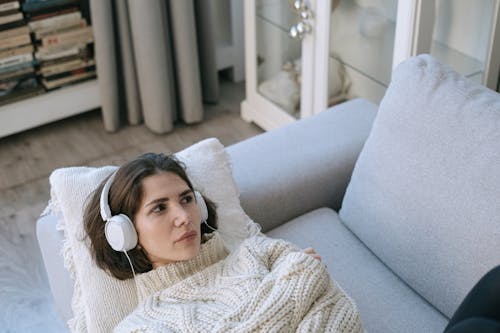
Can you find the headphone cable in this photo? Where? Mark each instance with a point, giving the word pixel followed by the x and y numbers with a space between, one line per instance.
pixel 133 273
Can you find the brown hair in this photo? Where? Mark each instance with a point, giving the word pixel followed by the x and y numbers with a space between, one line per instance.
pixel 125 194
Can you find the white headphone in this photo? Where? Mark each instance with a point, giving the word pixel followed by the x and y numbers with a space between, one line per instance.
pixel 120 231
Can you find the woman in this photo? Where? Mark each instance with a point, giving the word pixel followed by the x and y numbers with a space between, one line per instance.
pixel 188 281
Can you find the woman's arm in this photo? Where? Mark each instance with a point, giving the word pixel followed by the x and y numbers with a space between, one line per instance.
pixel 334 311
pixel 317 304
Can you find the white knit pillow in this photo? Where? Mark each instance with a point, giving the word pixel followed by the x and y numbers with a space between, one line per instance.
pixel 99 300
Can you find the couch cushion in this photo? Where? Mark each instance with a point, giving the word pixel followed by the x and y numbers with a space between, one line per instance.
pixel 424 194
pixel 385 302
pixel 329 144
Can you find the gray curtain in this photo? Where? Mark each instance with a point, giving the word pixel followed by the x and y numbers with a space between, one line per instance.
pixel 155 60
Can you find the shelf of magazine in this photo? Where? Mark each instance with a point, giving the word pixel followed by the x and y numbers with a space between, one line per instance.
pixel 44 45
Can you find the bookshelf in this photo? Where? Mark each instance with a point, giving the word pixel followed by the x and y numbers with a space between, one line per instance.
pixel 51 105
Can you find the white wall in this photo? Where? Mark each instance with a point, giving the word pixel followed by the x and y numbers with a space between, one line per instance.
pixel 222 21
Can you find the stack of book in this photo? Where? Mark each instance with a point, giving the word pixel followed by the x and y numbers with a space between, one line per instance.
pixel 17 72
pixel 63 41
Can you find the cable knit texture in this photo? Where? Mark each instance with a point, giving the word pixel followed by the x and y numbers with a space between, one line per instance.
pixel 266 285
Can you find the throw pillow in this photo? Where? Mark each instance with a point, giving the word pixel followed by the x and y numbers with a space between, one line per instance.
pixel 424 194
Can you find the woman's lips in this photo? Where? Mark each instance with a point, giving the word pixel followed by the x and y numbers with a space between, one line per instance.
pixel 187 236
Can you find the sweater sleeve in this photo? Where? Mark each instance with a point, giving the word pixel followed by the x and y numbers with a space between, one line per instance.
pixel 317 303
pixel 272 251
pixel 333 311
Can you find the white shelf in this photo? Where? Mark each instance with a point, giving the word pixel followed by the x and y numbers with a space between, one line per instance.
pixel 462 63
pixel 49 107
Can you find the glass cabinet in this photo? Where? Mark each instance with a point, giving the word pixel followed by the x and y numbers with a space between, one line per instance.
pixel 272 64
pixel 278 56
pixel 460 33
pixel 361 47
pixel 303 56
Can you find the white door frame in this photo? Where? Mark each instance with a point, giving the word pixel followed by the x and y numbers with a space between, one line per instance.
pixel 414 27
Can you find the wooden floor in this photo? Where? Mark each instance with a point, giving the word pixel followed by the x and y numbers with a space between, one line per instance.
pixel 28 158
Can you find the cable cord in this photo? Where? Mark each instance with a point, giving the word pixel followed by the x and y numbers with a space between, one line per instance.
pixel 133 273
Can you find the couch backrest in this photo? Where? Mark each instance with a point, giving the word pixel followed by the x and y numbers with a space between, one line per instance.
pixel 425 192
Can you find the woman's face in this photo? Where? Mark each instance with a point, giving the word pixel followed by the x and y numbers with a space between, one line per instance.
pixel 168 219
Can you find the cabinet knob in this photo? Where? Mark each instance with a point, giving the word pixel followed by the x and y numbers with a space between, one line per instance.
pixel 299 30
pixel 299 5
pixel 303 26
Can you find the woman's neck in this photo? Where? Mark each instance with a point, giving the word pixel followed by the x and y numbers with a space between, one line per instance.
pixel 211 251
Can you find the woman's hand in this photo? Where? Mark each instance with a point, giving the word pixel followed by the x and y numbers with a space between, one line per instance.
pixel 312 252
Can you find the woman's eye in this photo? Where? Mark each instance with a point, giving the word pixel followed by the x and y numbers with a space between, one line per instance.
pixel 159 208
pixel 187 199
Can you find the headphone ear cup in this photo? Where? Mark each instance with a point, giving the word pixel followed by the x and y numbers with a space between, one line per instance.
pixel 120 233
pixel 202 206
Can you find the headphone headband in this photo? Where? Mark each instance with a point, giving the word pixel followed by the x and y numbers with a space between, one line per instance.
pixel 105 210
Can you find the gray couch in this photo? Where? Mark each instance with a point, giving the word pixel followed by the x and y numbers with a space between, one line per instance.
pixel 407 226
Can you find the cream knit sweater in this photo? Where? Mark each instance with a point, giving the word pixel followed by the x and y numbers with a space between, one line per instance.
pixel 266 285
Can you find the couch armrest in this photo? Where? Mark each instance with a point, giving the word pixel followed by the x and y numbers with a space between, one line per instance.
pixel 51 241
pixel 287 172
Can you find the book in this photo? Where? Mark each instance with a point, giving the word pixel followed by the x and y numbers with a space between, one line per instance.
pixel 12 25
pixel 65 66
pixel 51 13
pixel 6 63
pixel 5 71
pixel 16 51
pixel 14 32
pixel 10 42
pixel 8 6
pixel 18 72
pixel 9 12
pixel 54 20
pixel 44 54
pixel 7 87
pixel 18 75
pixel 11 18
pixel 64 26
pixel 73 72
pixel 21 94
pixel 66 80
pixel 75 36
pixel 43 5
pixel 84 55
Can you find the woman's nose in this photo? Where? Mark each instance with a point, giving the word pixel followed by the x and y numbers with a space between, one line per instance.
pixel 181 216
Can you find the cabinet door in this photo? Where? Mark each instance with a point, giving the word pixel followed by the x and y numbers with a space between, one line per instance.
pixel 279 67
pixel 360 49
pixel 463 34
